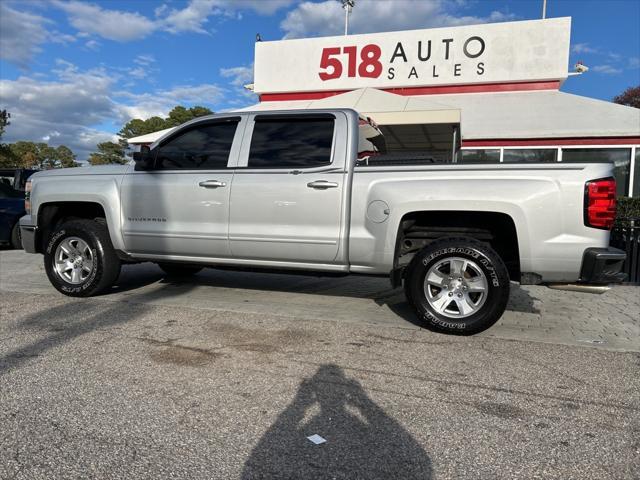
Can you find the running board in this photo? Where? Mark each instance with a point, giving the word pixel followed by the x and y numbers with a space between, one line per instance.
pixel 576 287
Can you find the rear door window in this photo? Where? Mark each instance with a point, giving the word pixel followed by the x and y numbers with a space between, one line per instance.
pixel 291 142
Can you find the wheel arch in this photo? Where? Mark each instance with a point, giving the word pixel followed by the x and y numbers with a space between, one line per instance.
pixel 417 229
pixel 52 214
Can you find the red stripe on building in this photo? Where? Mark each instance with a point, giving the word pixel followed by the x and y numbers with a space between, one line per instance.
pixel 551 142
pixel 434 90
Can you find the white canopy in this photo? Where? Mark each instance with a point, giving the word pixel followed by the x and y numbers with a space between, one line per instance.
pixel 149 137
pixel 503 115
pixel 383 107
pixel 541 114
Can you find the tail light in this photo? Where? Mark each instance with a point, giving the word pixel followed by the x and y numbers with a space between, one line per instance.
pixel 27 197
pixel 600 203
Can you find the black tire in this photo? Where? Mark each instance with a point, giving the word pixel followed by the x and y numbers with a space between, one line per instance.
pixel 106 262
pixel 16 238
pixel 482 257
pixel 179 269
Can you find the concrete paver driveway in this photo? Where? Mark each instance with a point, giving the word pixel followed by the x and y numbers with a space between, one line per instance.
pixel 225 375
pixel 537 313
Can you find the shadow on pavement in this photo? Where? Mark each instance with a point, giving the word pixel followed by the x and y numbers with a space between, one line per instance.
pixel 520 300
pixel 361 440
pixel 353 286
pixel 63 323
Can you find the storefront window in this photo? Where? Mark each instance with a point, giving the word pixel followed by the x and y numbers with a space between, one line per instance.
pixel 479 156
pixel 620 157
pixel 636 174
pixel 530 155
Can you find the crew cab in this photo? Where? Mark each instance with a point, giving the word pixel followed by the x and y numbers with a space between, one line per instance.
pixel 317 191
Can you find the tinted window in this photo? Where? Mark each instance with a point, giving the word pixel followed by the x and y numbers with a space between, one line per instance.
pixel 7 191
pixel 204 147
pixel 530 155
pixel 479 156
pixel 620 157
pixel 291 143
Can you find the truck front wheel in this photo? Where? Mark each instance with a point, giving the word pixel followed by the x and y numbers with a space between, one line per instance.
pixel 458 286
pixel 80 260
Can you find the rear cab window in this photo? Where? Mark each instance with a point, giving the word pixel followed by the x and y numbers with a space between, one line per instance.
pixel 291 141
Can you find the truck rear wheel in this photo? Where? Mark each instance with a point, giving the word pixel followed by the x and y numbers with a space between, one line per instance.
pixel 458 286
pixel 80 260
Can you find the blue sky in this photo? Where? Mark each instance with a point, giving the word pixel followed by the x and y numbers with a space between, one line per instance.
pixel 73 72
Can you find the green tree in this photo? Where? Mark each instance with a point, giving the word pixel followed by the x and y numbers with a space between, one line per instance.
pixel 137 127
pixel 47 156
pixel 26 154
pixel 7 157
pixel 4 121
pixel 39 155
pixel 66 158
pixel 108 153
pixel 177 116
pixel 180 115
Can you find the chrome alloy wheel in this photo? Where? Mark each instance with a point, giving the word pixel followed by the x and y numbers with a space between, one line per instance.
pixel 73 261
pixel 456 287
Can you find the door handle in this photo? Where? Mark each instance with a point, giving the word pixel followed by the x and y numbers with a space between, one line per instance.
pixel 322 184
pixel 212 184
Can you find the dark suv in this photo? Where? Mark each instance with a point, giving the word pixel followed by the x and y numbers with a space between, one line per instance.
pixel 12 183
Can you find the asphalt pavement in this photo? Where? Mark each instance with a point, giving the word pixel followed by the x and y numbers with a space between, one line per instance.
pixel 225 376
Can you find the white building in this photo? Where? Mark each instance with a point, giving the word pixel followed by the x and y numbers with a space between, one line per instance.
pixel 480 93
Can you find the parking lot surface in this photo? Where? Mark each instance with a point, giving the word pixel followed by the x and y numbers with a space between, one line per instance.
pixel 225 375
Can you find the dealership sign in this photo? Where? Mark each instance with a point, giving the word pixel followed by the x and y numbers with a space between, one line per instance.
pixel 536 50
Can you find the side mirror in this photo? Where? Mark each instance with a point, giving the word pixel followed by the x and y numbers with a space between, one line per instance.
pixel 143 158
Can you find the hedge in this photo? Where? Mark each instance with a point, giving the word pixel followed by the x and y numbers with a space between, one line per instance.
pixel 628 209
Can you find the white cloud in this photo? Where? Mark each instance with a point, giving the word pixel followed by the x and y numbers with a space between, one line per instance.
pixel 615 57
pixel 21 34
pixel 583 48
pixel 110 24
pixel 609 63
pixel 195 15
pixel 62 111
pixel 74 108
pixel 240 76
pixel 327 17
pixel 161 101
pixel 62 38
pixel 93 45
pixel 263 7
pixel 144 60
pixel 137 72
pixel 189 19
pixel 607 69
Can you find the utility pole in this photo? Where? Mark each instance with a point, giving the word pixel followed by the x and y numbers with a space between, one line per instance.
pixel 544 9
pixel 348 7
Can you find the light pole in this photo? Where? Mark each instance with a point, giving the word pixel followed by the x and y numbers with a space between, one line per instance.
pixel 348 6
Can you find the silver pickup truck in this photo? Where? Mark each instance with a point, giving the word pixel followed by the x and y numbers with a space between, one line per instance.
pixel 317 191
